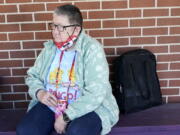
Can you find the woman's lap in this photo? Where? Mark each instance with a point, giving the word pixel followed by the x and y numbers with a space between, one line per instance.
pixel 40 121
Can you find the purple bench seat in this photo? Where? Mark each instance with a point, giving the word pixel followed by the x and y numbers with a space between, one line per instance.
pixel 160 120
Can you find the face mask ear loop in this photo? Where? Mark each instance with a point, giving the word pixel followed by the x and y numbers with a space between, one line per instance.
pixel 71 34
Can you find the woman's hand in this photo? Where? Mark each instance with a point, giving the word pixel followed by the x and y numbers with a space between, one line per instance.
pixel 60 125
pixel 47 98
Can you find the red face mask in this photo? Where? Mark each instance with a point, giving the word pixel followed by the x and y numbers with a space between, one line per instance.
pixel 66 44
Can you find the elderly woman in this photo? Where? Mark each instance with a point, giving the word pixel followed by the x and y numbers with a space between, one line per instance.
pixel 69 83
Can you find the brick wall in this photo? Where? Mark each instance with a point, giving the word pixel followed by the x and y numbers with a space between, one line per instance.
pixel 120 25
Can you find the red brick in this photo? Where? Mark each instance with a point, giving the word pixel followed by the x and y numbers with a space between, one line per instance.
pixel 155 31
pixel 8 8
pixel 168 21
pixel 5 88
pixel 128 13
pixel 88 5
pixel 22 54
pixel 43 16
pixel 101 33
pixel 45 0
pixel 29 63
pixel 175 12
pixel 143 40
pixel 21 36
pixel 43 35
pixel 111 68
pixel 168 3
pixel 18 1
pixel 170 74
pixel 163 83
pixel 162 66
pixel 1 1
pixel 99 40
pixel 3 37
pixel 111 59
pixel 175 48
pixel 175 30
pixel 5 72
pixel 142 22
pixel 4 55
pixel 2 18
pixel 12 80
pixel 32 7
pixel 164 100
pixel 38 52
pixel 19 18
pixel 101 14
pixel 84 14
pixel 170 91
pixel 128 32
pixel 109 51
pixel 92 24
pixel 12 97
pixel 10 63
pixel 115 23
pixel 175 66
pixel 20 88
pixel 142 3
pixel 155 12
pixel 168 57
pixel 9 27
pixel 125 49
pixel 21 105
pixel 33 44
pixel 52 6
pixel 114 4
pixel 174 83
pixel 157 49
pixel 33 27
pixel 116 41
pixel 6 105
pixel 168 39
pixel 22 71
pixel 28 97
pixel 174 99
pixel 9 45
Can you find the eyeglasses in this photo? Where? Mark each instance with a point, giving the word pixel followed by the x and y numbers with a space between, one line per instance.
pixel 60 27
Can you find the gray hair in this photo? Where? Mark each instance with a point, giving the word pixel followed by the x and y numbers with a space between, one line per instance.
pixel 72 12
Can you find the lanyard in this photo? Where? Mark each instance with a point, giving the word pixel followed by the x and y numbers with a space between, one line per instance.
pixel 70 74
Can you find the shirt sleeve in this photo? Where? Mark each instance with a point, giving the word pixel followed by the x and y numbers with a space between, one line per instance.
pixel 96 80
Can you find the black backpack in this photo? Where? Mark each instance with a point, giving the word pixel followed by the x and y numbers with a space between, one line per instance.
pixel 136 82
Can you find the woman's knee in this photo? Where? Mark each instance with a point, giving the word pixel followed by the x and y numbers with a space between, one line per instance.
pixel 27 129
pixel 74 130
pixel 86 125
pixel 22 129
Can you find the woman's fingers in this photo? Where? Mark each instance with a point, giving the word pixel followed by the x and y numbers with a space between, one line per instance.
pixel 47 98
pixel 50 99
pixel 53 99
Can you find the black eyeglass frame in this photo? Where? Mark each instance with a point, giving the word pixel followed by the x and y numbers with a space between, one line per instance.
pixel 63 27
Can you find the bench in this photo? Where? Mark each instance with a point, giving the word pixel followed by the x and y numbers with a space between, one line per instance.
pixel 159 120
